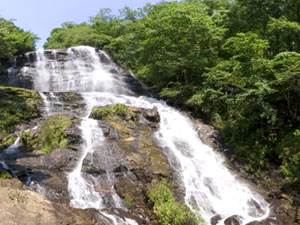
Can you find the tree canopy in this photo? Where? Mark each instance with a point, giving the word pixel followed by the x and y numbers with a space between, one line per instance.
pixel 13 41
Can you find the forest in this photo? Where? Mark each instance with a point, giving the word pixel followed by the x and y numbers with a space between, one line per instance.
pixel 235 63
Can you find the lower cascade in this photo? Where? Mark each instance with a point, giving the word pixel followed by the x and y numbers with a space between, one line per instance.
pixel 208 188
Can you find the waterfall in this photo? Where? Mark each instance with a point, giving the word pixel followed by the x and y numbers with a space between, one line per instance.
pixel 210 188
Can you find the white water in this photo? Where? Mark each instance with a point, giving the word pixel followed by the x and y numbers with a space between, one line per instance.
pixel 46 102
pixel 13 148
pixel 83 194
pixel 209 185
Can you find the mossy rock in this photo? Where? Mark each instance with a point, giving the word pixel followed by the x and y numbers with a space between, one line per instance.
pixel 7 140
pixel 111 112
pixel 69 97
pixel 17 105
pixel 5 175
pixel 51 135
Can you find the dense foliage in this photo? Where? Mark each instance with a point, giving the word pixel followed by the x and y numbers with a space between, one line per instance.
pixel 168 210
pixel 13 41
pixel 236 62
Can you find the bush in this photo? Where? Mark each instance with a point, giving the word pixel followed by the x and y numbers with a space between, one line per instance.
pixel 166 208
pixel 5 175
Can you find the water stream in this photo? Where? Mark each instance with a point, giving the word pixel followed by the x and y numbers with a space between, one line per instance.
pixel 210 188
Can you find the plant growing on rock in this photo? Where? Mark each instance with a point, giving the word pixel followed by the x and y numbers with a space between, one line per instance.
pixel 105 112
pixel 16 106
pixel 52 132
pixel 5 175
pixel 168 210
pixel 50 136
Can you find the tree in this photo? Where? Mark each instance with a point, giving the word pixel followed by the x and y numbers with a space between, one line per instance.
pixel 13 41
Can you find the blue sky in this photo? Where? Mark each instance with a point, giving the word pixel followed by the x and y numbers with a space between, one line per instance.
pixel 41 16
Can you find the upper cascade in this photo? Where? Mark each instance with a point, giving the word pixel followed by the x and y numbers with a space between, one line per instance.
pixel 76 69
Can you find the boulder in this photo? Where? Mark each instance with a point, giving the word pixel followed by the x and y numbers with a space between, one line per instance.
pixel 19 205
pixel 215 219
pixel 233 220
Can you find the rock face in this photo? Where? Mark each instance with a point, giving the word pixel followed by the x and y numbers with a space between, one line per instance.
pixel 127 162
pixel 136 161
pixel 19 205
pixel 136 158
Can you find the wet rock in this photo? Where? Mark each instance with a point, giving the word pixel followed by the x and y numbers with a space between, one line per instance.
pixel 130 157
pixel 121 213
pixel 215 219
pixel 151 115
pixel 233 220
pixel 276 220
pixel 61 159
pixel 47 173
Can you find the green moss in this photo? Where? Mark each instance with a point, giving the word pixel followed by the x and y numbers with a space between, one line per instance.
pixel 30 140
pixel 52 132
pixel 9 140
pixel 168 210
pixel 17 105
pixel 110 111
pixel 69 97
pixel 5 175
pixel 129 200
pixel 50 136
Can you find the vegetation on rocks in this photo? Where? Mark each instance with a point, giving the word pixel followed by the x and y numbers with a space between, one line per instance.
pixel 168 210
pixel 234 62
pixel 17 105
pixel 51 135
pixel 8 140
pixel 5 175
pixel 52 132
pixel 109 111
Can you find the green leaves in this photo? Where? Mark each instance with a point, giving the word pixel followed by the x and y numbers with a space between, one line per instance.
pixel 284 35
pixel 13 41
pixel 73 35
pixel 168 210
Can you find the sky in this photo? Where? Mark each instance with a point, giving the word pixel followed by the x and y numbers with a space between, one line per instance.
pixel 41 16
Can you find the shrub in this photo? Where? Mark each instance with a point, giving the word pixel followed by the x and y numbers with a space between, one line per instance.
pixel 5 175
pixel 166 208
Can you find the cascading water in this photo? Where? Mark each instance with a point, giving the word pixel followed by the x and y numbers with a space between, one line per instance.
pixel 209 185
